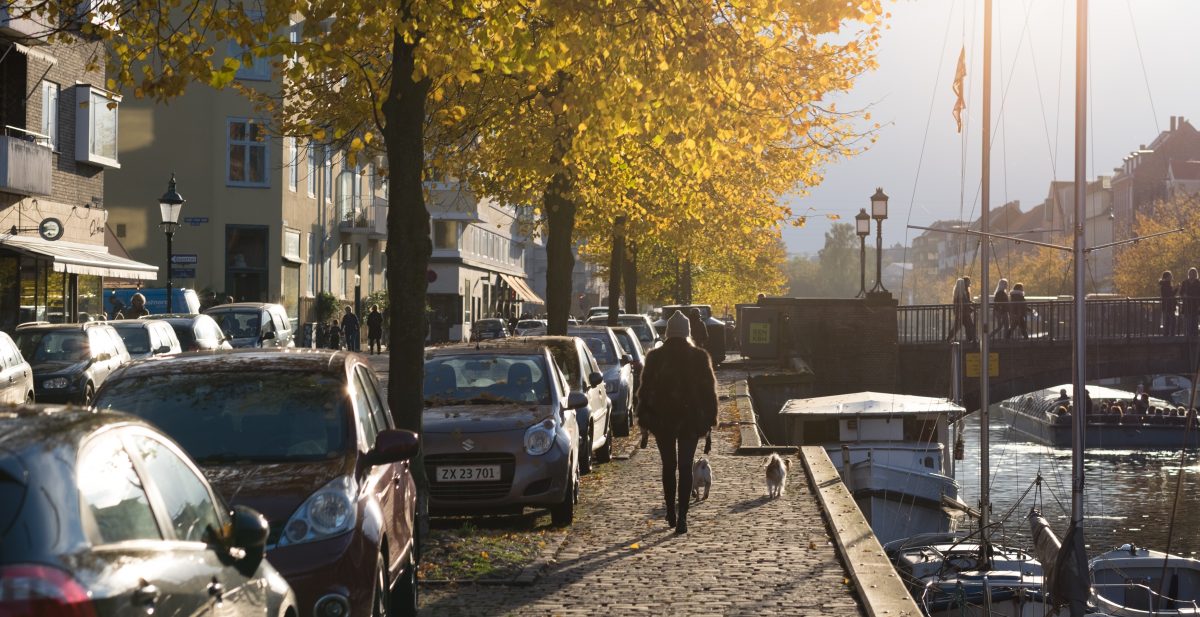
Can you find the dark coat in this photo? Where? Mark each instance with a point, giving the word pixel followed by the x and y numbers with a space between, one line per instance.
pixel 678 394
pixel 374 325
pixel 699 328
pixel 350 323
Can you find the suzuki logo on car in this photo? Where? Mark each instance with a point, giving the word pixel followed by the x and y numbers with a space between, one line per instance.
pixel 468 445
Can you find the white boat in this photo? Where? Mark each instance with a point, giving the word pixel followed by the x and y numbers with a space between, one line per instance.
pixel 1129 582
pixel 890 450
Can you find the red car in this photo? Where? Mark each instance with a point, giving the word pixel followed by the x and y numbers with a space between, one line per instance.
pixel 306 438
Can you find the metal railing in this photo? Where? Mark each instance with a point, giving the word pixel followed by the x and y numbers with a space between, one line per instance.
pixel 1049 320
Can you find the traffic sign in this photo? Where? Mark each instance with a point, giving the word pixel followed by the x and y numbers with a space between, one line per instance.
pixel 184 258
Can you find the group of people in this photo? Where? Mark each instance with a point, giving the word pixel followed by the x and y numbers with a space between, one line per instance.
pixel 347 334
pixel 1171 295
pixel 1009 310
pixel 1117 409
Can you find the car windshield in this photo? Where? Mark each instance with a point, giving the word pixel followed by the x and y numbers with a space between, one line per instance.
pixel 52 345
pixel 640 328
pixel 276 416
pixel 600 343
pixel 239 324
pixel 529 324
pixel 137 339
pixel 625 340
pixel 482 379
pixel 489 325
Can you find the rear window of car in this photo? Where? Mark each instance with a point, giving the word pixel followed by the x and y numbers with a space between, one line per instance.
pixel 601 346
pixel 479 379
pixel 183 332
pixel 136 337
pixel 233 416
pixel 240 324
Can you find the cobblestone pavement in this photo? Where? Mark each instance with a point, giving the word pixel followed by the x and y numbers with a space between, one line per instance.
pixel 743 554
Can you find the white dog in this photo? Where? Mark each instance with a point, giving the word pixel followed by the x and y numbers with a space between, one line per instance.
pixel 777 470
pixel 702 477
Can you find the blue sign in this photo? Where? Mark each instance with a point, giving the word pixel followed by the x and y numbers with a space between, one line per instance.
pixel 183 273
pixel 184 258
pixel 195 221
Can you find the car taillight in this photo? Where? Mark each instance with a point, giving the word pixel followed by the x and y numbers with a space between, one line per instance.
pixel 28 590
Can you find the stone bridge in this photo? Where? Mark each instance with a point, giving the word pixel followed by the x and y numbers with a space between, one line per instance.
pixel 873 344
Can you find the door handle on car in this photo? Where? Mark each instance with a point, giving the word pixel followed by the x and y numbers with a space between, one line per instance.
pixel 146 595
pixel 216 590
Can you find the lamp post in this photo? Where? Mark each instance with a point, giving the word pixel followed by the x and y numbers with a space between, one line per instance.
pixel 879 206
pixel 170 204
pixel 358 295
pixel 862 227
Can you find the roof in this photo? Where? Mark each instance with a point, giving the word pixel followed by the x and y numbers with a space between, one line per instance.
pixel 60 326
pixel 511 344
pixel 871 404
pixel 24 426
pixel 1096 392
pixel 239 305
pixel 250 359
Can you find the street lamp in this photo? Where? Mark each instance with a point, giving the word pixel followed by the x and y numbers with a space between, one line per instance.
pixel 879 203
pixel 170 204
pixel 358 295
pixel 862 227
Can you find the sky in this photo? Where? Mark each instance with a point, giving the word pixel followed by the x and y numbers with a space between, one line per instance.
pixel 1144 68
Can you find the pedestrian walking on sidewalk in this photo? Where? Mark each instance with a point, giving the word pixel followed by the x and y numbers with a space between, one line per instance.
pixel 374 329
pixel 1001 310
pixel 350 328
pixel 1167 293
pixel 963 310
pixel 1017 311
pixel 677 401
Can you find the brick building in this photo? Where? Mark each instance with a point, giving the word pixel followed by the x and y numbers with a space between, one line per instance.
pixel 1155 172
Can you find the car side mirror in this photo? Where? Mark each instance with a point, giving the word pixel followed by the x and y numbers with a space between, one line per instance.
pixel 392 446
pixel 163 349
pixel 576 400
pixel 626 359
pixel 595 379
pixel 249 529
pixel 268 335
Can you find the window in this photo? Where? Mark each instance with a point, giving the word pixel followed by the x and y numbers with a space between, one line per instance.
pixel 188 502
pixel 312 170
pixel 445 235
pixel 328 164
pixel 364 414
pixel 247 154
pixel 96 126
pixel 293 164
pixel 312 265
pixel 50 112
pixel 379 409
pixel 112 500
pixel 252 68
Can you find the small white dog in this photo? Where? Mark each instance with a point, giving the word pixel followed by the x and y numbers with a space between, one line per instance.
pixel 777 470
pixel 702 477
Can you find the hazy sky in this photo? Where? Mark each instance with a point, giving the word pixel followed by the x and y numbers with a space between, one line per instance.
pixel 1032 108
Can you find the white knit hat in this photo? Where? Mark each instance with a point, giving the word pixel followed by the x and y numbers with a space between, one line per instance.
pixel 678 326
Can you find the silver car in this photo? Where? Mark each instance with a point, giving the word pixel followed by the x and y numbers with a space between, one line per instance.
pixel 499 430
pixel 16 376
pixel 147 337
pixel 254 324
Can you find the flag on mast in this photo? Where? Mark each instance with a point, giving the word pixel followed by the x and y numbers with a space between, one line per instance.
pixel 959 74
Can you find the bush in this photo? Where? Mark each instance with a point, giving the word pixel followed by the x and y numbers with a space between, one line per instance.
pixel 328 306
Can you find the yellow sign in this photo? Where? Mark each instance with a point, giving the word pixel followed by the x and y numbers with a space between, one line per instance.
pixel 973 361
pixel 760 333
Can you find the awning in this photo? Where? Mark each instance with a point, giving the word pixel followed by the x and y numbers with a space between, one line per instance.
pixel 75 258
pixel 519 285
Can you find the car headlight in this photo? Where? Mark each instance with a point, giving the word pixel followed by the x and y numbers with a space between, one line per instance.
pixel 56 383
pixel 539 438
pixel 326 513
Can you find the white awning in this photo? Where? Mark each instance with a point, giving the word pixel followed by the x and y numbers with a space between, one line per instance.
pixel 73 258
pixel 524 292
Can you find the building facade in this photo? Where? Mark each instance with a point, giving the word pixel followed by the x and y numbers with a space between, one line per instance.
pixel 60 140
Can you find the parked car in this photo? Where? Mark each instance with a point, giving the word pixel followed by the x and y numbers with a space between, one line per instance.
pixel 500 432
pixel 144 338
pixel 16 375
pixel 101 514
pixel 254 324
pixel 530 327
pixel 715 329
pixel 641 325
pixel 487 329
pixel 618 375
pixel 597 426
pixel 632 346
pixel 197 332
pixel 305 437
pixel 70 361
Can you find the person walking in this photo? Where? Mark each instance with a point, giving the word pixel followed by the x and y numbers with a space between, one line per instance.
pixel 699 330
pixel 963 310
pixel 350 328
pixel 1167 295
pixel 677 402
pixel 374 329
pixel 137 307
pixel 1017 311
pixel 1000 312
pixel 333 336
pixel 1189 293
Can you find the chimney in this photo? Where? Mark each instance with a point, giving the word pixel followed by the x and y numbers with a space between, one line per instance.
pixel 1173 123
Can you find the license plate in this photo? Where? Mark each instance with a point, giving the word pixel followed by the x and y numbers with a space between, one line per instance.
pixel 468 473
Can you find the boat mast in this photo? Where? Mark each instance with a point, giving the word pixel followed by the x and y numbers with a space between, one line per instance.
pixel 1079 334
pixel 985 500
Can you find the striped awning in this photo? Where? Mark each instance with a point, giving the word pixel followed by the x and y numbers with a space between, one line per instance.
pixel 524 292
pixel 73 258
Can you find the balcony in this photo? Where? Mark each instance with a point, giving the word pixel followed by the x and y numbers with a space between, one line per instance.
pixel 362 218
pixel 18 21
pixel 26 160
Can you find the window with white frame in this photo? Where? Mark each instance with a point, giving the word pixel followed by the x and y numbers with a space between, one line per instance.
pixel 312 169
pixel 293 165
pixel 96 126
pixel 246 153
pixel 50 92
pixel 252 68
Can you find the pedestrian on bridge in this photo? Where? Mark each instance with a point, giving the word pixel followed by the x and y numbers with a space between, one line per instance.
pixel 1189 292
pixel 1000 312
pixel 1017 311
pixel 1167 294
pixel 963 310
pixel 677 401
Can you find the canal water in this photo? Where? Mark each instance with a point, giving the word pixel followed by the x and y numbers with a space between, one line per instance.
pixel 1129 494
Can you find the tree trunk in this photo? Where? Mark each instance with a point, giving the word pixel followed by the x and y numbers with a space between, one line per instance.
pixel 630 272
pixel 614 271
pixel 685 285
pixel 560 262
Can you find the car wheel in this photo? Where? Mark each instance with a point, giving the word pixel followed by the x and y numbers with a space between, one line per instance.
pixel 585 453
pixel 404 594
pixel 563 513
pixel 89 393
pixel 604 454
pixel 381 605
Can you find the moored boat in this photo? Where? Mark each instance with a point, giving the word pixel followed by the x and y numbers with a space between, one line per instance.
pixel 1036 415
